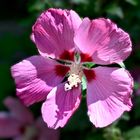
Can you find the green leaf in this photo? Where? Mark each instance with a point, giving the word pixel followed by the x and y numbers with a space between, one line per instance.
pixel 136 110
pixel 136 85
pixel 112 133
pixel 89 64
pixel 133 134
pixel 114 9
pixel 132 2
pixel 84 83
pixel 125 116
pixel 79 1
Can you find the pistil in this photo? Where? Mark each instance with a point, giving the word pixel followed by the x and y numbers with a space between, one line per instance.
pixel 75 76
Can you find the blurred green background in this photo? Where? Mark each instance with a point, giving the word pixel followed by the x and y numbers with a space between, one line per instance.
pixel 16 20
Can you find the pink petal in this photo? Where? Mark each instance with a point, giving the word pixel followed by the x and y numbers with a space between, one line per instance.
pixel 108 96
pixel 34 78
pixel 103 40
pixel 54 30
pixel 18 110
pixel 9 126
pixel 60 105
pixel 45 132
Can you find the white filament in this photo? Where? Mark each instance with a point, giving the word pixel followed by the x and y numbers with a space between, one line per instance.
pixel 73 80
pixel 75 76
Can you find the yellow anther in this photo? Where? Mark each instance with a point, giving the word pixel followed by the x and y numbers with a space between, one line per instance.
pixel 73 81
pixel 75 76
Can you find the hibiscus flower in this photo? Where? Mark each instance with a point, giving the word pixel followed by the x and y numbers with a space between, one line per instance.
pixel 20 124
pixel 67 45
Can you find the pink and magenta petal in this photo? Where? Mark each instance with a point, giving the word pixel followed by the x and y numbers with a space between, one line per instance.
pixel 34 78
pixel 60 105
pixel 18 110
pixel 109 95
pixel 54 31
pixel 9 126
pixel 103 40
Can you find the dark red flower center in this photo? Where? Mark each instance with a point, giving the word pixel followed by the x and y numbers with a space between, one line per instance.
pixel 69 55
pixel 61 70
pixel 90 74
